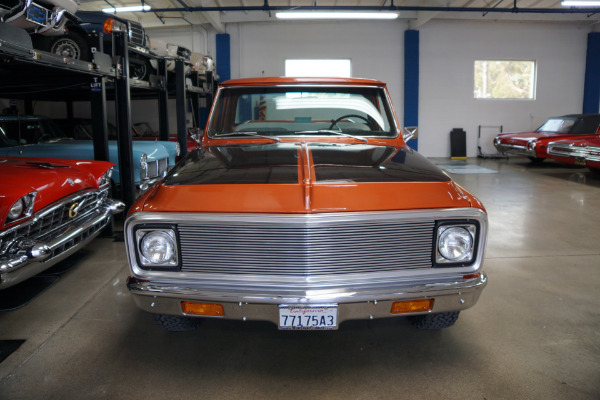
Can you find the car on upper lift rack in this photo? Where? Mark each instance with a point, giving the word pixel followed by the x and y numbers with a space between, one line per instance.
pixel 82 39
pixel 44 17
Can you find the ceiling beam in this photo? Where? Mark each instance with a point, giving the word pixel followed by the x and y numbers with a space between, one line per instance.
pixel 214 17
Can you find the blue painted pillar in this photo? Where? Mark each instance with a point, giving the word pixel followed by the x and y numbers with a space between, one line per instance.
pixel 591 88
pixel 223 42
pixel 411 82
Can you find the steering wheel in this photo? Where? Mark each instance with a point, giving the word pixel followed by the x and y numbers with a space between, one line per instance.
pixel 334 122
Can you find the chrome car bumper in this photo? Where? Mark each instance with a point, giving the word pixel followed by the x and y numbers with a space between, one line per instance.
pixel 262 304
pixel 515 149
pixel 28 256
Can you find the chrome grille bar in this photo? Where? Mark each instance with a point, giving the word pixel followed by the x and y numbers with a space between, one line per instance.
pixel 323 248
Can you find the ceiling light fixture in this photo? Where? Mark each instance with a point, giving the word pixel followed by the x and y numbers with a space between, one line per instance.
pixel 127 9
pixel 580 3
pixel 335 15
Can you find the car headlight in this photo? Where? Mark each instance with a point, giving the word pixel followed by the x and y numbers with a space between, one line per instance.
pixel 456 243
pixel 157 248
pixel 497 141
pixel 531 145
pixel 105 179
pixel 22 208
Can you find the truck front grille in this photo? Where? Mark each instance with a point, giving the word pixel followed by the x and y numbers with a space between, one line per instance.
pixel 137 34
pixel 306 249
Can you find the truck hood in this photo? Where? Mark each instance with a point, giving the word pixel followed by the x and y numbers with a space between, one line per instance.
pixel 303 178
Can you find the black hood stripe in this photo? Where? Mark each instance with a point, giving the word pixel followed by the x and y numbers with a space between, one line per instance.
pixel 277 163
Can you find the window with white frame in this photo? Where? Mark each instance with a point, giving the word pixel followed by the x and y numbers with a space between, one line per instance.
pixel 318 68
pixel 504 79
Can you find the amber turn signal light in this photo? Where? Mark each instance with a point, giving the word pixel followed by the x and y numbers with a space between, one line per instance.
pixel 410 306
pixel 216 310
pixel 109 25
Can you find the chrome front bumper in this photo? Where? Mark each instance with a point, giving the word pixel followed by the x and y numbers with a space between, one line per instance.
pixel 262 304
pixel 515 149
pixel 34 256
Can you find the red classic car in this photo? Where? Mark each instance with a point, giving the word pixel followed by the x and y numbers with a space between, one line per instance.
pixel 49 208
pixel 577 152
pixel 305 207
pixel 535 144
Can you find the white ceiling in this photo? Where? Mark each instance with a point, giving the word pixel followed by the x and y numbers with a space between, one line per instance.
pixel 219 12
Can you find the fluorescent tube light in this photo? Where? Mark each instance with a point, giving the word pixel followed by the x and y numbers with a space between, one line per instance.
pixel 580 3
pixel 127 9
pixel 335 15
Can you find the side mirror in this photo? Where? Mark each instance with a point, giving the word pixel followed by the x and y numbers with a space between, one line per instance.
pixel 409 132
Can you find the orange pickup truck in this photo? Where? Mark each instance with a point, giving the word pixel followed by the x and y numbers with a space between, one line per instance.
pixel 304 206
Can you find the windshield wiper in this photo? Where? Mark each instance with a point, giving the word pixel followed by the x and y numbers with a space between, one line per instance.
pixel 253 134
pixel 340 133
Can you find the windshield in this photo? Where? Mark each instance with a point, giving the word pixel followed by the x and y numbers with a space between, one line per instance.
pixel 302 111
pixel 582 125
pixel 559 125
pixel 31 130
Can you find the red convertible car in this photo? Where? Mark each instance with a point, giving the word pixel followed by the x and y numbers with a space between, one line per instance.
pixel 535 144
pixel 305 207
pixel 49 209
pixel 577 152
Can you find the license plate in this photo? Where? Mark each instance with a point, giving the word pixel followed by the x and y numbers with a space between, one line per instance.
pixel 579 160
pixel 37 14
pixel 318 317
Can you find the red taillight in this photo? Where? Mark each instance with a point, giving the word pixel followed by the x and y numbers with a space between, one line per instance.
pixel 109 25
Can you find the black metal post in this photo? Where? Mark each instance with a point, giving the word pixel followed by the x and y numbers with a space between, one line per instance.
pixel 163 101
pixel 123 105
pixel 99 118
pixel 181 104
pixel 29 107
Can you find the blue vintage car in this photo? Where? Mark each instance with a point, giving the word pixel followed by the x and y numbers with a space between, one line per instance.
pixel 38 136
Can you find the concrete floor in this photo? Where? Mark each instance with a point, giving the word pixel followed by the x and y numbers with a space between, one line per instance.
pixel 535 333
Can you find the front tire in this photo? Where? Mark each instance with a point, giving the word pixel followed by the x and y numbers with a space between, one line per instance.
pixel 434 321
pixel 536 160
pixel 175 323
pixel 72 45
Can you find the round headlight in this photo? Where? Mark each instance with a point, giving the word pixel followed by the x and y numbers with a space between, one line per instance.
pixel 497 140
pixel 16 210
pixel 158 247
pixel 455 244
pixel 531 145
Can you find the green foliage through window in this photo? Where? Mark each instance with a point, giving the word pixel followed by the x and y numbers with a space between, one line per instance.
pixel 495 79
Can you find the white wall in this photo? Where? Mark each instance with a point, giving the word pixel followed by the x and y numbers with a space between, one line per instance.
pixel 375 49
pixel 448 51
